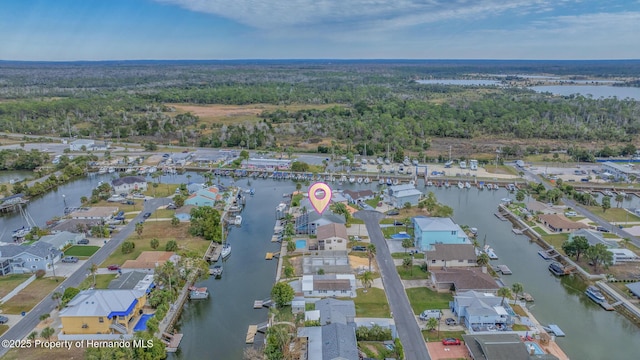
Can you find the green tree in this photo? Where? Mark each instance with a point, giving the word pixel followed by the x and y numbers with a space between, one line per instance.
pixel 407 263
pixel 93 270
pixel 282 293
pixel 599 254
pixel 205 222
pixel 432 324
pixel 371 253
pixel 576 247
pixel 56 296
pixel 482 259
pixel 407 205
pixel 154 243
pixel 44 317
pixel 340 208
pixel 366 278
pixel 127 247
pixel 299 166
pixel 175 221
pixel 407 243
pixel 47 332
pixel 291 246
pixel 517 288
pixel 139 228
pixel 32 335
pixel 619 199
pixel 443 211
pixel 504 292
pixel 171 245
pixel 179 200
pixel 606 203
pixel 520 196
pixel 244 155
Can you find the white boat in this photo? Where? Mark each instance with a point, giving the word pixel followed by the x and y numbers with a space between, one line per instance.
pixel 21 232
pixel 396 181
pixel 367 180
pixel 381 181
pixel 406 161
pixel 467 185
pixel 463 164
pixel 25 229
pixel 198 293
pixel 448 164
pixel 460 185
pixel 102 170
pixel 496 187
pixel 226 251
pixel 238 220
pixel 360 180
pixel 111 170
pixel 363 161
pixel 447 184
pixel 216 271
pixel 429 183
pixel 352 179
pixel 489 251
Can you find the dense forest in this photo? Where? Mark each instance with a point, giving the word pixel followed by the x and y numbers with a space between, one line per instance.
pixel 349 102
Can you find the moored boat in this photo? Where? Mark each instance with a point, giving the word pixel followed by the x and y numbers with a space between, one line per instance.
pixel 594 294
pixel 198 293
pixel 216 271
pixel 226 251
pixel 557 269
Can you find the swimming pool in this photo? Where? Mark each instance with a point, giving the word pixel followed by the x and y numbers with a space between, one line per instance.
pixel 142 323
pixel 399 236
pixel 537 350
pixel 301 244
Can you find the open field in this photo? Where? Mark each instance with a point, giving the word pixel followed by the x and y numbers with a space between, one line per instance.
pixel 163 232
pixel 615 215
pixel 422 299
pixel 30 296
pixel 81 250
pixel 9 282
pixel 555 240
pixel 102 281
pixel 161 190
pixel 372 303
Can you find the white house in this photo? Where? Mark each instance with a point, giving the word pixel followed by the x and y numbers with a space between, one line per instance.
pixel 128 184
pixel 401 194
pixel 338 285
pixel 61 239
pixel 332 237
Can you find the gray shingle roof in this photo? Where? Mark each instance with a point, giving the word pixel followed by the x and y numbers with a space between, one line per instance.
pixel 39 249
pixel 128 180
pixel 339 341
pixel 336 311
pixel 450 252
pixel 59 239
pixel 127 280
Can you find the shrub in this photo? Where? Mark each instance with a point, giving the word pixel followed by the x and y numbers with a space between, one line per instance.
pixel 127 247
pixel 172 245
pixel 373 333
pixel 40 273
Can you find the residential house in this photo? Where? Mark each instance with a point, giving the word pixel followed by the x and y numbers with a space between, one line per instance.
pixel 133 280
pixel 339 197
pixel 501 347
pixel 355 197
pixel 330 342
pixel 308 222
pixel 266 164
pixel 127 184
pixel 330 261
pixel 480 311
pixel 620 255
pixel 61 239
pixel 451 255
pixel 204 197
pixel 76 225
pixel 148 260
pixel 466 279
pixel 536 206
pixel 78 144
pixel 102 213
pixel 384 323
pixel 339 285
pixel 634 288
pixel 560 224
pixel 336 311
pixel 399 195
pixel 332 237
pixel 21 259
pixel 103 312
pixel 429 231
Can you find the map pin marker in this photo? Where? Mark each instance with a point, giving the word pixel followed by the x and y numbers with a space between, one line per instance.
pixel 320 196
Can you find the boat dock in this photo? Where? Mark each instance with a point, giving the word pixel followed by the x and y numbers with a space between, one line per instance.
pixel 499 216
pixel 548 254
pixel 517 231
pixel 259 304
pixel 555 330
pixel 504 270
pixel 271 255
pixel 251 334
pixel 213 252
pixel 172 341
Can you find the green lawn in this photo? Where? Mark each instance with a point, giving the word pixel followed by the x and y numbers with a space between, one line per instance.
pixel 556 240
pixel 102 281
pixel 412 274
pixel 373 202
pixel 373 303
pixel 163 214
pixel 81 250
pixel 520 327
pixel 402 255
pixel 437 336
pixel 161 190
pixel 616 215
pixel 392 230
pixel 387 221
pixel 9 282
pixel 26 299
pixel 3 328
pixel 422 299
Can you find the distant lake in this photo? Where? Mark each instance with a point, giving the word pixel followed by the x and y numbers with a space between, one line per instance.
pixel 595 91
pixel 459 82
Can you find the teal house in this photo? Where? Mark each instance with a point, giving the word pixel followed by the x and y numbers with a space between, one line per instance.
pixel 204 197
pixel 434 230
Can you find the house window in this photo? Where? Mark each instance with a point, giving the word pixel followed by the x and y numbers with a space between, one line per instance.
pixel 460 261
pixel 101 319
pixel 454 232
pixel 433 261
pixel 339 241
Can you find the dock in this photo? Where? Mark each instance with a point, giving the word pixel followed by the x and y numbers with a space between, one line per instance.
pixel 548 254
pixel 517 231
pixel 504 269
pixel 271 255
pixel 251 334
pixel 172 341
pixel 259 304
pixel 213 252
pixel 609 307
pixel 499 216
pixel 555 330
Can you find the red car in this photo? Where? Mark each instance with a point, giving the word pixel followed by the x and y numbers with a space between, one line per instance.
pixel 113 267
pixel 450 341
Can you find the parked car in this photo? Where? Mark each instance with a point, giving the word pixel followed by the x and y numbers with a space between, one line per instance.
pixel 172 206
pixel 70 259
pixel 427 314
pixel 113 267
pixel 146 215
pixel 451 341
pixel 570 213
pixel 393 212
pixel 359 248
pixel 450 321
pixel 83 241
pixel 602 228
pixel 3 319
pixel 398 223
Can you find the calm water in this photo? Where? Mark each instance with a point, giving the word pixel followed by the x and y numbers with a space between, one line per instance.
pixel 459 82
pixel 595 91
pixel 7 176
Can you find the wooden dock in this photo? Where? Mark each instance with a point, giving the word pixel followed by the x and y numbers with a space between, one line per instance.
pixel 500 216
pixel 172 341
pixel 213 252
pixel 271 255
pixel 259 304
pixel 251 334
pixel 504 270
pixel 517 231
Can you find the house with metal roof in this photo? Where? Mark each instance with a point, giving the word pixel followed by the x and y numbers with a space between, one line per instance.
pixel 204 197
pixel 336 311
pixel 61 239
pixel 399 195
pixel 102 213
pixel 480 311
pixel 429 231
pixel 308 222
pixel 103 312
pixel 21 259
pixel 127 184
pixel 133 280
pixel 451 255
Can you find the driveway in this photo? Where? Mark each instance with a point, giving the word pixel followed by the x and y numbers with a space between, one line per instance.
pixel 414 345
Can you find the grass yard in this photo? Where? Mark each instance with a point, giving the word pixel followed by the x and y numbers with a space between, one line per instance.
pixel 616 215
pixel 501 169
pixel 402 255
pixel 9 282
pixel 102 281
pixel 373 202
pixel 520 327
pixel 163 232
pixel 373 303
pixel 518 310
pixel 3 328
pixel 37 353
pixel 412 274
pixel 81 250
pixel 392 230
pixel 555 240
pixel 437 336
pixel 422 299
pixel 30 296
pixel 121 207
pixel 161 190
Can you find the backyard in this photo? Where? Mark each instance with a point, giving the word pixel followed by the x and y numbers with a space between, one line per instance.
pixel 81 251
pixel 422 298
pixel 372 303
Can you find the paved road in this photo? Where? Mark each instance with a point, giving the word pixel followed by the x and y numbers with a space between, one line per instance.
pixel 29 322
pixel 413 343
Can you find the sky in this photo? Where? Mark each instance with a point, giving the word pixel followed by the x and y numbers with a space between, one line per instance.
pixel 68 30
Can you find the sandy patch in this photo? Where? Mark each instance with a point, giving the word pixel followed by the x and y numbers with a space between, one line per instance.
pixel 219 110
pixel 358 263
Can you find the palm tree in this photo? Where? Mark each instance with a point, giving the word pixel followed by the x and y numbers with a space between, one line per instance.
pixel 94 269
pixel 56 296
pixel 619 199
pixel 517 288
pixel 47 332
pixel 371 253
pixel 483 259
pixel 407 222
pixel 504 292
pixel 366 278
pixel 139 228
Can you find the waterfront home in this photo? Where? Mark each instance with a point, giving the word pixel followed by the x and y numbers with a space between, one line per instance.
pixel 634 288
pixel 620 255
pixel 537 207
pixel 336 311
pixel 127 184
pixel 338 285
pixel 558 223
pixel 355 197
pixel 502 347
pixel 308 222
pixel 466 279
pixel 102 213
pixel 266 164
pixel 332 237
pixel 619 172
pixel 429 231
pixel 399 195
pixel 61 239
pixel 20 259
pixel 329 342
pixel 75 225
pixel 330 261
pixel 451 255
pixel 204 197
pixel 148 260
pixel 481 311
pixel 102 312
pixel 133 280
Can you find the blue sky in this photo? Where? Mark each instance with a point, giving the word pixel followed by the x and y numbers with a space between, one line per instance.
pixel 60 30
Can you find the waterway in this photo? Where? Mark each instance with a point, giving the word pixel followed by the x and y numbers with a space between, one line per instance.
pixel 604 91
pixel 216 328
